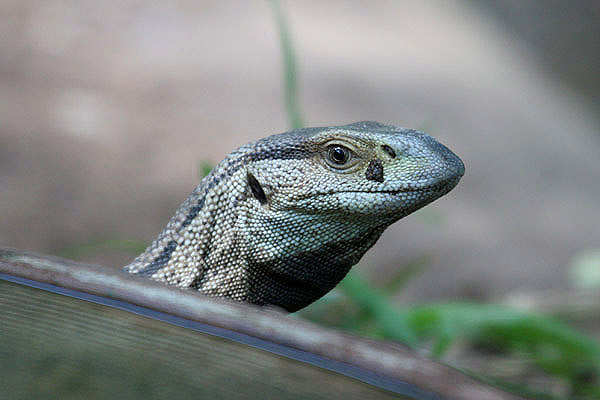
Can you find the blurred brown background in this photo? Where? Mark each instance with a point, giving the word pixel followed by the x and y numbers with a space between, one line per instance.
pixel 107 109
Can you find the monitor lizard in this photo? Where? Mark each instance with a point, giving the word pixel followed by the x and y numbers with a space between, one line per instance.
pixel 282 220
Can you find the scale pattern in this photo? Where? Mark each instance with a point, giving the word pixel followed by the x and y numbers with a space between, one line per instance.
pixel 282 220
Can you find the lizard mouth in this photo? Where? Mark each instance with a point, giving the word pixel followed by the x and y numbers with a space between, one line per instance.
pixel 390 192
pixel 442 187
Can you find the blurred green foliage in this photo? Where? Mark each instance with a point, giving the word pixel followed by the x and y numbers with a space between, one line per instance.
pixel 584 269
pixel 290 71
pixel 204 168
pixel 545 343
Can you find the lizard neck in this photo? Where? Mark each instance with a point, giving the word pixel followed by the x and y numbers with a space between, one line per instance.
pixel 265 254
pixel 303 276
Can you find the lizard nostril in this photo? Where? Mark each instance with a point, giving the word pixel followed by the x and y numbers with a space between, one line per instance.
pixel 389 150
pixel 374 171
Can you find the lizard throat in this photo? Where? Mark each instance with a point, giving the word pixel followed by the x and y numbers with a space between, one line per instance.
pixel 297 280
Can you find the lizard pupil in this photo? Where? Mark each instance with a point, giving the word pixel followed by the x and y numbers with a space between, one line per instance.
pixel 338 154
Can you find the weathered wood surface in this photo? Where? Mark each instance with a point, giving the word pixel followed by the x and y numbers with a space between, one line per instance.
pixel 56 347
pixel 309 361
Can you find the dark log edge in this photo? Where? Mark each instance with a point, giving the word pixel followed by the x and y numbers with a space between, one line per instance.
pixel 384 364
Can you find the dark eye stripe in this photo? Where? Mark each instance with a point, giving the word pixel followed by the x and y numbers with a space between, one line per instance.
pixel 389 150
pixel 257 190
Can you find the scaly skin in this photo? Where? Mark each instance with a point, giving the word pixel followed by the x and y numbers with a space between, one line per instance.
pixel 282 220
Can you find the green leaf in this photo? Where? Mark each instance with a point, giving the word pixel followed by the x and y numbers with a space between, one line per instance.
pixel 405 274
pixel 204 168
pixel 289 63
pixel 392 324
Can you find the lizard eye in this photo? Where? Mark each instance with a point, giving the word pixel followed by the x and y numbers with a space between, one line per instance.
pixel 338 155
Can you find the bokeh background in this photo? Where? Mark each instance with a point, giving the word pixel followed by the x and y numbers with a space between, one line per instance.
pixel 108 108
pixel 110 111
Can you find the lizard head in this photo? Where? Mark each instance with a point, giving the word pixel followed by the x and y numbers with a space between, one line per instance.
pixel 281 220
pixel 362 169
pixel 318 199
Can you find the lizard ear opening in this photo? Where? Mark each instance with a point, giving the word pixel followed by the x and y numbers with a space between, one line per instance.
pixel 389 150
pixel 257 190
